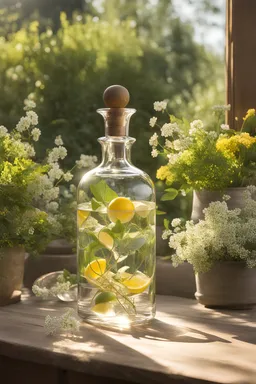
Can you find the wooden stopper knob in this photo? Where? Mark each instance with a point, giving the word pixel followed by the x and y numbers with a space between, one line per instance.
pixel 116 96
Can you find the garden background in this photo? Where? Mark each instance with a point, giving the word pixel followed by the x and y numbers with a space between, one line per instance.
pixel 63 54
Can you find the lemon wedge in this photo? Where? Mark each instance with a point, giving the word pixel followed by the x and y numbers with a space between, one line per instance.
pixel 81 217
pixel 121 208
pixel 136 283
pixel 95 269
pixel 106 239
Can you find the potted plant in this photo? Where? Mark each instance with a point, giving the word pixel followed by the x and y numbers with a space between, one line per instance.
pixel 222 249
pixel 211 159
pixel 33 201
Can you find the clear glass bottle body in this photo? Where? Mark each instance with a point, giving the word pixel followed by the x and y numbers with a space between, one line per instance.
pixel 116 239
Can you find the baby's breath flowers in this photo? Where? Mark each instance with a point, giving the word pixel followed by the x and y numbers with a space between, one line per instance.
pixel 153 141
pixel 223 235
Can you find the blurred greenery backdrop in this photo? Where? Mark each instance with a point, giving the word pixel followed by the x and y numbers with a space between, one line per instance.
pixel 64 53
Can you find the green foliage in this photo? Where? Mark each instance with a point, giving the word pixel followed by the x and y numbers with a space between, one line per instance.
pixel 102 193
pixel 66 73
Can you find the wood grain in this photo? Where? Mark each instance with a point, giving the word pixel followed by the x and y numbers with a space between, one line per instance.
pixel 186 343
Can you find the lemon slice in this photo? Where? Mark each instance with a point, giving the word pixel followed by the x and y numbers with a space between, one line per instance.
pixel 95 269
pixel 105 309
pixel 136 283
pixel 106 239
pixel 81 217
pixel 121 208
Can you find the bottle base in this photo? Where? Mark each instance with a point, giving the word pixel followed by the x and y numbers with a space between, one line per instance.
pixel 118 322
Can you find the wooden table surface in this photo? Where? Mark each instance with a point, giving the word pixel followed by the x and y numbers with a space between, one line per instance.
pixel 186 343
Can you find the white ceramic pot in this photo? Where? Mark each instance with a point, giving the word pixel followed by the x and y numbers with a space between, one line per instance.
pixel 202 199
pixel 11 274
pixel 229 284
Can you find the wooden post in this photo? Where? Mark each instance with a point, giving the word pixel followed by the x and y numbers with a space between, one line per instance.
pixel 240 58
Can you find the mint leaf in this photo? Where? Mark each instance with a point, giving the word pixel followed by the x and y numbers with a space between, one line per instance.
pixel 160 212
pixel 170 195
pixel 102 192
pixel 95 204
pixel 166 223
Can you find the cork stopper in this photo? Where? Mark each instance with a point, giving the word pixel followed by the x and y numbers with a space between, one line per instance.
pixel 116 98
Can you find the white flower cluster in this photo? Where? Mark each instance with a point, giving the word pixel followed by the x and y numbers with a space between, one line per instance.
pixel 225 127
pixel 195 126
pixel 168 129
pixel 29 104
pixel 55 172
pixel 47 293
pixel 58 141
pixel 160 105
pixel 35 134
pixel 223 235
pixel 3 131
pixel 56 154
pixel 64 323
pixel 154 152
pixel 87 161
pixel 152 121
pixel 153 141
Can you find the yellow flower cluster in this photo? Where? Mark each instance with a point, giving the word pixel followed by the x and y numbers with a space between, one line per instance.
pixel 231 146
pixel 250 112
pixel 164 173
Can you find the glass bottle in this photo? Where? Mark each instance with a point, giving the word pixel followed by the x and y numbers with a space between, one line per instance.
pixel 116 228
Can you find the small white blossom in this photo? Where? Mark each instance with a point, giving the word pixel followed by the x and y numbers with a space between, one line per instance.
pixel 29 149
pixel 3 131
pixel 32 116
pixel 56 154
pixel 152 121
pixel 168 144
pixel 183 192
pixel 221 107
pixel 177 145
pixel 166 234
pixel 68 176
pixel 225 127
pixel 52 206
pixel 36 134
pixel 195 126
pixel 176 223
pixel 173 157
pixel 23 124
pixel 212 135
pixel 58 141
pixel 31 231
pixel 87 161
pixel 72 188
pixel 153 141
pixel 154 152
pixel 29 104
pixel 55 172
pixel 168 129
pixel 160 105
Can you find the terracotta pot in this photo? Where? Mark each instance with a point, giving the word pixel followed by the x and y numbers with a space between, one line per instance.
pixel 229 284
pixel 11 274
pixel 202 199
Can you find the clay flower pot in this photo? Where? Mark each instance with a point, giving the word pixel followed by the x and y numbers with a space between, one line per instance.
pixel 11 274
pixel 229 284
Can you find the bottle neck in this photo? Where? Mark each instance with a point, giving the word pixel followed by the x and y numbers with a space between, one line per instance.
pixel 116 151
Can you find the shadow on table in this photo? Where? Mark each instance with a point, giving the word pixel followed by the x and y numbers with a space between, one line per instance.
pixel 159 331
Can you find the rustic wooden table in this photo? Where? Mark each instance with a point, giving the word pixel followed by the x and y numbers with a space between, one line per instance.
pixel 186 343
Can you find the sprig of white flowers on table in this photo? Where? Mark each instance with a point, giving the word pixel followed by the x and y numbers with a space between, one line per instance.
pixel 67 322
pixel 224 234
